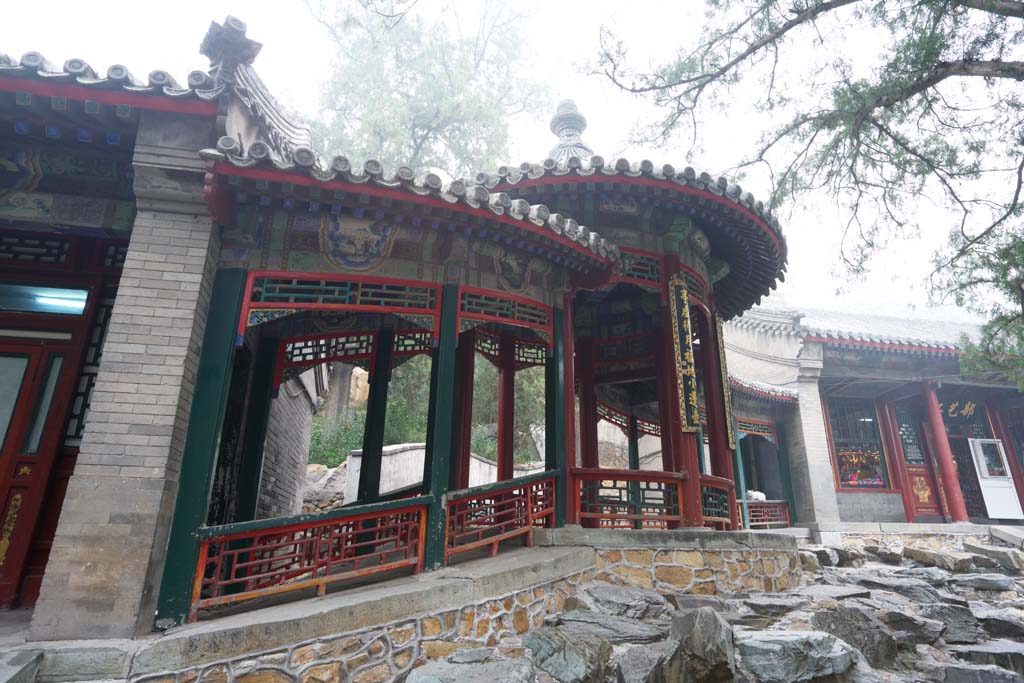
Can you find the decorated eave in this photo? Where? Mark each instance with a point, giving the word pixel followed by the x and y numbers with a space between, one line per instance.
pixel 762 391
pixel 788 322
pixel 867 342
pixel 302 183
pixel 34 77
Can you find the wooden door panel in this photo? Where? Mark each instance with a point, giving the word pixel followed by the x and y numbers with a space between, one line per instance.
pixel 925 495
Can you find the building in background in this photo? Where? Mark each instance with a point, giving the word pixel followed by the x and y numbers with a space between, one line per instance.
pixel 886 428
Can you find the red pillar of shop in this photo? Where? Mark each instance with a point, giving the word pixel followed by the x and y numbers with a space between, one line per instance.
pixel 465 360
pixel 588 402
pixel 894 446
pixel 950 479
pixel 506 407
pixel 718 439
pixel 569 345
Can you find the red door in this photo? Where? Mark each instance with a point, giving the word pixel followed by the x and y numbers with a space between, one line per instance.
pixel 34 384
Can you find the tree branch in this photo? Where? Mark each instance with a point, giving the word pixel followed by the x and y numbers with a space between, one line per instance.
pixel 1005 8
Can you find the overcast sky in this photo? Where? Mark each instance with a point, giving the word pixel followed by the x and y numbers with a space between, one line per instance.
pixel 562 38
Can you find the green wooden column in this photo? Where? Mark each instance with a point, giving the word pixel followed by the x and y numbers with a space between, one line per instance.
pixel 787 475
pixel 376 412
pixel 700 452
pixel 554 416
pixel 741 475
pixel 202 441
pixel 255 437
pixel 437 463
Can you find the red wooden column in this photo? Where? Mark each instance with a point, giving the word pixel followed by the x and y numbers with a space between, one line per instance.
pixel 569 345
pixel 506 407
pixel 718 439
pixel 1002 432
pixel 950 479
pixel 683 445
pixel 898 463
pixel 588 402
pixel 465 360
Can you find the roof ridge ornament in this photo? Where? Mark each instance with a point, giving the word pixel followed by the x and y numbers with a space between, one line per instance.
pixel 568 124
pixel 227 48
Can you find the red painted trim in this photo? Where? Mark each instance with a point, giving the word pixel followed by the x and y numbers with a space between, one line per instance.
pixel 649 182
pixel 898 462
pixel 112 97
pixel 225 168
pixel 885 346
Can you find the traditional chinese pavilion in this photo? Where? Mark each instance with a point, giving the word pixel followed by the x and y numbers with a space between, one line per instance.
pixel 176 253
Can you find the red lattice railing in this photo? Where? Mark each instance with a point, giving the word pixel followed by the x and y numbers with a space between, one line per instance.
pixel 249 560
pixel 717 501
pixel 628 499
pixel 766 514
pixel 484 516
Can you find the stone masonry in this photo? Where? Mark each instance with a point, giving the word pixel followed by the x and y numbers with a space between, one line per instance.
pixel 107 557
pixel 810 461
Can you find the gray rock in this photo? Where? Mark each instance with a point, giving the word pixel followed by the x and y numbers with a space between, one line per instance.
pixel 913 589
pixel 614 629
pixel 792 656
pixel 961 626
pixel 568 655
pixel 622 601
pixel 886 553
pixel 655 663
pixel 473 655
pixel 686 601
pixel 827 557
pixel 850 556
pixel 706 641
pixel 775 605
pixel 823 591
pixel 970 673
pixel 859 627
pixel 809 561
pixel 1007 558
pixel 511 670
pixel 933 576
pixel 911 629
pixel 949 560
pixel 984 582
pixel 1001 623
pixel 1008 654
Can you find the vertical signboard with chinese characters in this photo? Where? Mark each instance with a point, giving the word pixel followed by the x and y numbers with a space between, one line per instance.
pixel 683 351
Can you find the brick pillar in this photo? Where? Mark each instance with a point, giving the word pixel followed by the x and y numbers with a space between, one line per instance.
pixel 108 552
pixel 810 461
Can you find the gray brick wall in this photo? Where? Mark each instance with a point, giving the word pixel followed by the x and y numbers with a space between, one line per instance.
pixel 286 452
pixel 107 559
pixel 870 507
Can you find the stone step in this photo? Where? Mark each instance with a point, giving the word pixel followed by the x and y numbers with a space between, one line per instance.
pixel 1014 535
pixel 20 667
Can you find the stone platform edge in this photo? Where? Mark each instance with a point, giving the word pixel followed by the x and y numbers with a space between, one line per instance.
pixel 682 539
pixel 305 619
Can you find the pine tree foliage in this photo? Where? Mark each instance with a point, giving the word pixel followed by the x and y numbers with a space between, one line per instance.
pixel 888 106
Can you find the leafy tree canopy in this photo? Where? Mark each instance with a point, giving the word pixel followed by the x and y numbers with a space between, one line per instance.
pixel 887 105
pixel 432 94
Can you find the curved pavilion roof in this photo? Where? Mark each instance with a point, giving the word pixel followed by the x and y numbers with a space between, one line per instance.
pixel 741 229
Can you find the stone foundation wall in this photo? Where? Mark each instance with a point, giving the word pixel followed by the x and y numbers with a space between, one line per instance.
pixel 932 541
pixel 387 652
pixel 701 572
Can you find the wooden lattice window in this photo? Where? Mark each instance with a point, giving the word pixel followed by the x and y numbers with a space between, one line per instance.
pixel 757 428
pixel 857 443
pixel 640 266
pixel 909 435
pixel 341 292
pixel 481 305
pixel 30 249
pixel 325 349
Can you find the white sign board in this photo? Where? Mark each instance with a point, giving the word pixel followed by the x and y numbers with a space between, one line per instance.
pixel 995 479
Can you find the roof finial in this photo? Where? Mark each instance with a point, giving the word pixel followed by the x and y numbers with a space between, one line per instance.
pixel 228 47
pixel 568 124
